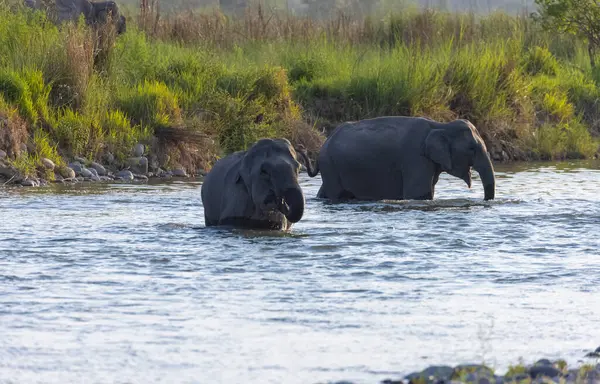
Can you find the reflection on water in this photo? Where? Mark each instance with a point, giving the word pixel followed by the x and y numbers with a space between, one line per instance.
pixel 123 283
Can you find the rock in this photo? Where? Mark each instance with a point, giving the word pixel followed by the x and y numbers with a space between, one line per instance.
pixel 109 158
pixel 3 155
pixel 86 173
pixel 8 172
pixel 543 362
pixel 48 164
pixel 431 374
pixel 76 166
pixel 154 164
pixel 543 370
pixel 81 160
pixel 67 173
pixel 138 165
pixel 29 183
pixel 474 373
pixel 105 178
pixel 124 175
pixel 140 177
pixel 179 172
pixel 100 170
pixel 201 172
pixel 23 148
pixel 138 150
pixel 95 177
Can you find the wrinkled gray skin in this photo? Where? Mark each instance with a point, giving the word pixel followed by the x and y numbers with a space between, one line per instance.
pixel 93 12
pixel 257 188
pixel 399 158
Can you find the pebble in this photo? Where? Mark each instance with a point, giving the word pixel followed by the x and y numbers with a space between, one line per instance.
pixel 48 164
pixel 101 171
pixel 2 154
pixel 124 175
pixel 179 172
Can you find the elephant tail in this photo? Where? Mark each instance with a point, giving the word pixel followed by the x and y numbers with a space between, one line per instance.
pixel 311 169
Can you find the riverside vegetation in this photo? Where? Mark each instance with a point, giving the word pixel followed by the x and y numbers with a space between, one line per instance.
pixel 192 87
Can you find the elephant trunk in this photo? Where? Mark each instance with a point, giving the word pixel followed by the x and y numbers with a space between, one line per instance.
pixel 310 169
pixel 483 166
pixel 292 204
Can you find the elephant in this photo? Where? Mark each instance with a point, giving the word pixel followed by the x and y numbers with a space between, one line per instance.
pixel 95 13
pixel 255 189
pixel 399 158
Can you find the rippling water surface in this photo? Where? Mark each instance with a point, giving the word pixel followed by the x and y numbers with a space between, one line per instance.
pixel 123 283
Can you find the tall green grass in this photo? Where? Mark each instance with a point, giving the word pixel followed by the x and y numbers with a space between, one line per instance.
pixel 236 80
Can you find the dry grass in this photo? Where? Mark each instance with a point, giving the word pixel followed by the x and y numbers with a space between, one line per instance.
pixel 13 133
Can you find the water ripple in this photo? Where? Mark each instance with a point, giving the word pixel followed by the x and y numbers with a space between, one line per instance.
pixel 124 283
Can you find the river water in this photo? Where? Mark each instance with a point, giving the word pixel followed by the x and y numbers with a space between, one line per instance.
pixel 123 284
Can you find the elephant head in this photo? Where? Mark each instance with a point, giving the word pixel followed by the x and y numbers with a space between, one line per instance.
pixel 269 171
pixel 456 147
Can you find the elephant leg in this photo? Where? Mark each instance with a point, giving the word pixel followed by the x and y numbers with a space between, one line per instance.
pixel 418 186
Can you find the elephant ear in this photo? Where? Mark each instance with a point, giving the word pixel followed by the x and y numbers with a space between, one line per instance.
pixel 437 148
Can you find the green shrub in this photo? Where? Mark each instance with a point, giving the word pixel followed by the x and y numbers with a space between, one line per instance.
pixel 120 136
pixel 150 104
pixel 15 90
pixel 539 60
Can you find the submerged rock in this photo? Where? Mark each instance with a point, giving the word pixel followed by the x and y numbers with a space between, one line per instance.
pixel 101 171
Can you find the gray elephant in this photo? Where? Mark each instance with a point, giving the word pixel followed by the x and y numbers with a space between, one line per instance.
pixel 399 158
pixel 95 13
pixel 257 188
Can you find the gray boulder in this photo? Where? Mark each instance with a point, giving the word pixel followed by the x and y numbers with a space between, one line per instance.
pixel 138 165
pixel 100 170
pixel 138 150
pixel 3 155
pixel 124 175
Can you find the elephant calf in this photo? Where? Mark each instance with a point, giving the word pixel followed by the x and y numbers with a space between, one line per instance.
pixel 397 158
pixel 257 188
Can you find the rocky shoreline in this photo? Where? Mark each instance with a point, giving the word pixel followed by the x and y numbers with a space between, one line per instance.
pixel 541 372
pixel 137 168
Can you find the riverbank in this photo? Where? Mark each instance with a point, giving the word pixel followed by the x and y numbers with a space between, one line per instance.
pixel 195 86
pixel 542 371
